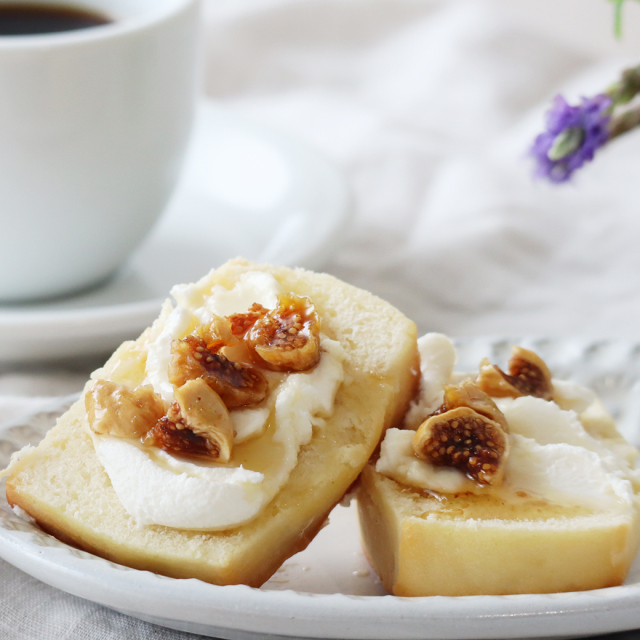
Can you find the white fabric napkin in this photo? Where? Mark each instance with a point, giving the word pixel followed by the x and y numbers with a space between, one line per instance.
pixel 429 107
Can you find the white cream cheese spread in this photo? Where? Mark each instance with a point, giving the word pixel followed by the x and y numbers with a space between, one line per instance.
pixel 156 488
pixel 552 455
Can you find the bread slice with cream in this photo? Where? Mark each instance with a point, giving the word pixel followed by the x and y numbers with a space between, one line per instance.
pixel 549 504
pixel 131 495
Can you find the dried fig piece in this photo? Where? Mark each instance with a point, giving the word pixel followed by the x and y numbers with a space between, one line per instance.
pixel 220 338
pixel 216 334
pixel 288 337
pixel 197 424
pixel 237 384
pixel 531 374
pixel 495 382
pixel 116 410
pixel 242 322
pixel 469 395
pixel 464 439
pixel 528 376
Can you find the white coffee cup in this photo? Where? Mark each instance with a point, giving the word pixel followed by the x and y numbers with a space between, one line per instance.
pixel 93 129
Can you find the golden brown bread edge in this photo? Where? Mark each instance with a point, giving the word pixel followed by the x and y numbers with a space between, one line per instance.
pixel 255 579
pixel 418 553
pixel 387 404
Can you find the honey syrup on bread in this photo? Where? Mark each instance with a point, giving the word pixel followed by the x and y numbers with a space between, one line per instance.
pixel 262 454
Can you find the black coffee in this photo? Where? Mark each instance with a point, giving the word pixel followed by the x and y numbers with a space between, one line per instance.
pixel 19 19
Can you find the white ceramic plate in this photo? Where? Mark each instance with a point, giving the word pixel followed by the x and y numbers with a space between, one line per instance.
pixel 328 591
pixel 245 191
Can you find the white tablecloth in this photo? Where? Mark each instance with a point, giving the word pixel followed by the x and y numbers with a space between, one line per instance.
pixel 429 107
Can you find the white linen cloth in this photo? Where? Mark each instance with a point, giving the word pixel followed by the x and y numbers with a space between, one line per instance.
pixel 429 107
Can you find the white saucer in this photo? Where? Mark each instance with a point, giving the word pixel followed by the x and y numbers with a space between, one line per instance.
pixel 245 191
pixel 329 591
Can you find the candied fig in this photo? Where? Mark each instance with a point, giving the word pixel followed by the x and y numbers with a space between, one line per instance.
pixel 288 337
pixel 528 376
pixel 197 424
pixel 237 384
pixel 116 410
pixel 220 338
pixel 469 395
pixel 216 334
pixel 242 322
pixel 464 439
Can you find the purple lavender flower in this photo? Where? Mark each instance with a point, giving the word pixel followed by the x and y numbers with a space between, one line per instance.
pixel 572 137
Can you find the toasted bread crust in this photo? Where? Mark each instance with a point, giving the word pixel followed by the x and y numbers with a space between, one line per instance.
pixel 420 547
pixel 63 486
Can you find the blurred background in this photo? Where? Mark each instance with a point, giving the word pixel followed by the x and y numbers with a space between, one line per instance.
pixel 429 108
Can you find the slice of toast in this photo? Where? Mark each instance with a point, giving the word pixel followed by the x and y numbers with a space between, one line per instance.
pixel 62 484
pixel 564 517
